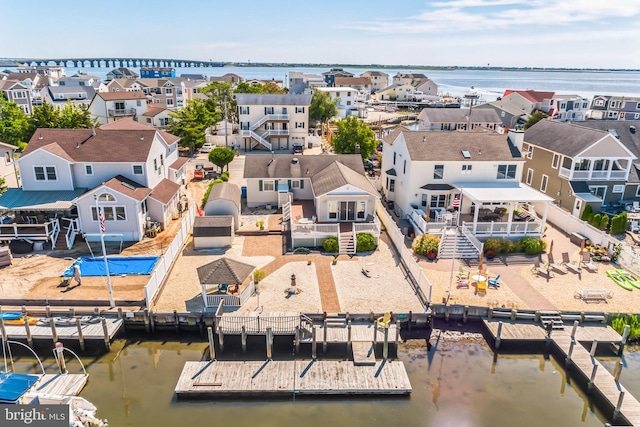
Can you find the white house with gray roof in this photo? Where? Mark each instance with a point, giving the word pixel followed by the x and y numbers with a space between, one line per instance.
pixel 441 119
pixel 273 122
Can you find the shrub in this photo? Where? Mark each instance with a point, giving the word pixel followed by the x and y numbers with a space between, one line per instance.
pixel 587 213
pixel 618 223
pixel 531 245
pixel 595 220
pixel 500 246
pixel 604 221
pixel 258 275
pixel 427 243
pixel 208 191
pixel 619 322
pixel 330 244
pixel 365 242
pixel 301 250
pixel 492 244
pixel 225 176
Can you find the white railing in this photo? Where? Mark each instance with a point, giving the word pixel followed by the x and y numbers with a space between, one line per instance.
pixel 275 132
pixel 267 118
pixel 72 231
pixel 232 323
pixel 252 134
pixel 599 174
pixel 424 227
pixel 518 228
pixel 166 261
pixel 423 286
pixel 466 230
pixel 324 229
pixel 592 174
pixel 565 173
pixel 367 227
pixel 232 301
pixel 580 175
pixel 618 175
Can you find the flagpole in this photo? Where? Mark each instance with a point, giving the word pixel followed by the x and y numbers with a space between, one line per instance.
pixel 112 303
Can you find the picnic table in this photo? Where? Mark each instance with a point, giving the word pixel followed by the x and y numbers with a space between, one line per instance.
pixel 589 295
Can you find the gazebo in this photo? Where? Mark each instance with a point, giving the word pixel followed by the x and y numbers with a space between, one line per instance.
pixel 222 280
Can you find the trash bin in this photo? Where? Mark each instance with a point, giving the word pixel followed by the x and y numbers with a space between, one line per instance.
pixel 391 205
pixel 243 191
pixel 310 144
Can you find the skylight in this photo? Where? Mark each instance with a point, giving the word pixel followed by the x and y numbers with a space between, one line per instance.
pixel 466 154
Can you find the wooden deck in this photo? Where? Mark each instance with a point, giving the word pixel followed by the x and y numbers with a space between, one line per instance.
pixel 300 377
pixel 65 332
pixel 59 384
pixel 359 333
pixel 515 330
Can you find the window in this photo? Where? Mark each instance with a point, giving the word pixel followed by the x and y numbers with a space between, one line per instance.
pixel 439 201
pixel 298 110
pixel 613 104
pixel 106 197
pixel 300 125
pixel 348 93
pixel 155 164
pixel 361 209
pixel 527 150
pixel 618 189
pixel 392 185
pixel 424 200
pixel 348 102
pixel 582 165
pixel 111 213
pixel 438 172
pixel 394 158
pixel 506 172
pixel 333 210
pixel 139 103
pixel 638 191
pixel 7 157
pixel 404 168
pixel 295 184
pixel 148 119
pixel 556 161
pixel 169 102
pixel 45 173
pixel 168 91
pixel 543 184
pixel 466 169
pixel 529 176
pixel 244 110
pixel 137 169
pixel 268 110
pixel 161 159
pixel 599 103
pixel 88 169
pixel 19 94
pixel 266 185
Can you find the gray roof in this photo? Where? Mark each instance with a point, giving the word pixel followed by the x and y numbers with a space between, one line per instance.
pixel 580 187
pixel 451 115
pixel 484 145
pixel 506 104
pixel 271 99
pixel 337 175
pixel 18 199
pixel 437 187
pixel 89 90
pixel 224 271
pixel 213 226
pixel 562 137
pixel 226 191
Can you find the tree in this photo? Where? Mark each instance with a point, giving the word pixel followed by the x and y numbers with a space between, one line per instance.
pixel 190 122
pixel 76 117
pixel 45 116
pixel 351 132
pixel 267 87
pixel 3 186
pixel 322 108
pixel 219 95
pixel 15 126
pixel 535 118
pixel 221 157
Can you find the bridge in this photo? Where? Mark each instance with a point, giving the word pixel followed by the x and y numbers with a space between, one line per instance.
pixel 113 62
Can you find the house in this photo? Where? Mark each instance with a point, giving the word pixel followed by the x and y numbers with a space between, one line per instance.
pixel 446 119
pixel 413 79
pixel 163 92
pixel 227 78
pixel 8 165
pixel 129 169
pixel 571 107
pixel 195 77
pixel 345 98
pixel 156 116
pixel 13 90
pixel 108 107
pixel 192 89
pixel 395 92
pixel 379 79
pixel 120 85
pixel 511 114
pixel 59 96
pixel 428 88
pixel 330 191
pixel 330 76
pixel 300 83
pixel 79 79
pixel 122 73
pixel 361 84
pixel 609 107
pixel 532 100
pixel 157 72
pixel 224 199
pixel 467 178
pixel 53 71
pixel 261 82
pixel 273 122
pixel 576 165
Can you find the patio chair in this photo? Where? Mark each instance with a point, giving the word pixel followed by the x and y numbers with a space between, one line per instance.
pixel 463 283
pixel 635 207
pixel 384 321
pixel 557 267
pixel 588 263
pixel 540 270
pixel 635 227
pixel 494 281
pixel 462 273
pixel 481 287
pixel 567 263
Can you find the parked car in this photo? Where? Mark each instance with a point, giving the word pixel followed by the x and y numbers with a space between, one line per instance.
pixel 207 146
pixel 298 148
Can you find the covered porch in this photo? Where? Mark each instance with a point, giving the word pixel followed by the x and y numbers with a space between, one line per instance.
pixel 502 209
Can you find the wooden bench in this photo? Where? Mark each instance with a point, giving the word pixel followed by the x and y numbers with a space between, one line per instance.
pixel 588 295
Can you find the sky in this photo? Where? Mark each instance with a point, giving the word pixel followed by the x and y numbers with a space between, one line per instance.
pixel 502 33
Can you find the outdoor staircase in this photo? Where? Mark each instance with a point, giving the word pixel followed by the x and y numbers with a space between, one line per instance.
pixel 456 245
pixel 257 138
pixel 347 244
pixel 552 317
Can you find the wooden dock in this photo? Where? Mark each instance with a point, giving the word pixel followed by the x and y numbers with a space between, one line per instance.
pixel 527 331
pixel 61 384
pixel 299 377
pixel 359 333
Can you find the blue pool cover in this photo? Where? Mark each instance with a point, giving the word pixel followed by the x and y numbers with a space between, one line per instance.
pixel 13 385
pixel 117 266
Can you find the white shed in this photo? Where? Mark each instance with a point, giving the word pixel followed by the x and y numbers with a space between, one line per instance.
pixel 213 231
pixel 224 199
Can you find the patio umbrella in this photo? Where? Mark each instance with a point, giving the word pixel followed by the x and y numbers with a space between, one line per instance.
pixel 582 247
pixel 550 249
pixel 480 261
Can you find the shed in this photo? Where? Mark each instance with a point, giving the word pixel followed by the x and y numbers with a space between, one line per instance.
pixel 224 199
pixel 213 231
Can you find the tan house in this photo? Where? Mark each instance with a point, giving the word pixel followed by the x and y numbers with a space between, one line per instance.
pixel 108 107
pixel 379 79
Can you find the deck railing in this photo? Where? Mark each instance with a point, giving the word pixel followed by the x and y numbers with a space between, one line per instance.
pixel 232 301
pixel 520 228
pixel 367 227
pixel 257 324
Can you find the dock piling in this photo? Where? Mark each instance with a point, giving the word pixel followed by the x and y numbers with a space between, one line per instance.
pixel 269 336
pixel 80 334
pixel 498 339
pixel 313 344
pixel 47 310
pixel 212 348
pixel 105 331
pixel 571 344
pixel 397 335
pixel 465 314
pixel 324 336
pixel 593 376
pixel 27 329
pixel 349 344
pixel 54 333
pixel 616 411
pixel 447 313
pixel 72 312
pixel 152 321
pixel 3 331
pixel 62 365
pixel 243 338
pixel 296 340
pixel 385 346
pixel 594 347
pixel 147 322
pixel 623 340
pixel 617 370
pixel 410 320
pixel 221 339
pixel 375 334
pixel 176 320
pixel 574 329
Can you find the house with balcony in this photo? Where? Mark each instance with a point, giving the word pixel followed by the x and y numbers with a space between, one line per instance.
pixel 59 96
pixel 79 79
pixel 615 107
pixel 413 79
pixel 273 122
pixel 8 170
pixel 321 196
pixel 571 107
pixel 577 165
pixel 458 119
pixel 156 116
pixel 330 76
pixel 346 99
pixel 15 91
pixel 361 84
pixel 122 73
pixel 395 92
pixel 379 79
pixel 108 107
pixel 466 179
pixel 131 170
pixel 304 83
pixel 511 114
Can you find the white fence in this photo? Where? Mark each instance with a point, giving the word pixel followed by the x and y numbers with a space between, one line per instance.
pixel 422 283
pixel 232 301
pixel 166 261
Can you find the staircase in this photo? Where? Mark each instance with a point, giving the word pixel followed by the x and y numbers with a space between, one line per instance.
pixel 347 244
pixel 456 245
pixel 261 141
pixel 552 317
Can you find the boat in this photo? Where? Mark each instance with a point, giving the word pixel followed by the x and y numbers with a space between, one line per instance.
pixel 629 278
pixel 619 279
pixel 16 318
pixel 82 413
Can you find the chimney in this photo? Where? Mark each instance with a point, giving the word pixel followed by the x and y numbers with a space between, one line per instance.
pixel 357 151
pixel 516 137
pixel 424 139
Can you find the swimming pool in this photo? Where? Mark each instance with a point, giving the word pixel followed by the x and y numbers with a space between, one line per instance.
pixel 117 266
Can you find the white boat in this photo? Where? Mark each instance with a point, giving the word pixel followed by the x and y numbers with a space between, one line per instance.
pixel 82 413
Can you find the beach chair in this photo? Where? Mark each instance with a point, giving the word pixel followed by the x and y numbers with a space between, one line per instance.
pixel 463 274
pixel 588 264
pixel 567 263
pixel 635 227
pixel 481 287
pixel 384 321
pixel 545 272
pixel 557 267
pixel 635 207
pixel 494 281
pixel 463 283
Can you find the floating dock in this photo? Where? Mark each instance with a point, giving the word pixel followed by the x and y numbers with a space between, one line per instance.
pixel 61 384
pixel 297 377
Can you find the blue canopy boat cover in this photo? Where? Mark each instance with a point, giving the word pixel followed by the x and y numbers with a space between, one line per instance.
pixel 13 385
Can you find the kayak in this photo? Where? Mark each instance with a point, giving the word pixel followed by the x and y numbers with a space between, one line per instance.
pixel 629 278
pixel 619 279
pixel 11 315
pixel 20 321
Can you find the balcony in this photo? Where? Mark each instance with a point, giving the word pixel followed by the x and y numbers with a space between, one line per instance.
pixel 590 175
pixel 120 112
